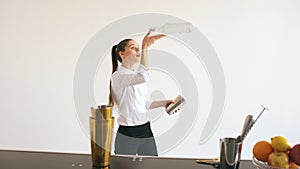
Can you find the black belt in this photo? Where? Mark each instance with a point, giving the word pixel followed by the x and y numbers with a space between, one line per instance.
pixel 139 131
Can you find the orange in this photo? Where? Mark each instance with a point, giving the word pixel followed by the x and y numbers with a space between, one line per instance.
pixel 261 150
pixel 293 165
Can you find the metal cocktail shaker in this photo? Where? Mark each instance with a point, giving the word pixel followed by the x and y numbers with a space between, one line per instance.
pixel 101 132
pixel 230 154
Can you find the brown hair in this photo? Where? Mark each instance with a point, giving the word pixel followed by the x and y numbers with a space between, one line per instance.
pixel 115 57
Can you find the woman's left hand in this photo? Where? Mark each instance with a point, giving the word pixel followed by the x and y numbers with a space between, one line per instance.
pixel 166 103
pixel 169 102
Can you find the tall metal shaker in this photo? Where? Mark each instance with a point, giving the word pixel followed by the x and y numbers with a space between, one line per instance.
pixel 101 132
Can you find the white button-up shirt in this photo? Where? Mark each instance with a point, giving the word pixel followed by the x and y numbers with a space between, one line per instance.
pixel 130 94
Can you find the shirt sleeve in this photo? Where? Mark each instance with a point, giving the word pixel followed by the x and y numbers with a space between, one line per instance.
pixel 141 75
pixel 148 103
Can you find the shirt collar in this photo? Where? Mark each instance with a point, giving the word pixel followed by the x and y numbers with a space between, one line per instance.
pixel 124 69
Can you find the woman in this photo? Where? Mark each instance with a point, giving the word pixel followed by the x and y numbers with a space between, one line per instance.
pixel 128 91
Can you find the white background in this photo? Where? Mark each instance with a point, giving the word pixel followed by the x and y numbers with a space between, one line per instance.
pixel 257 43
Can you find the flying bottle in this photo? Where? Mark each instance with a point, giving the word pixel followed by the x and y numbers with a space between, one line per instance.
pixel 173 28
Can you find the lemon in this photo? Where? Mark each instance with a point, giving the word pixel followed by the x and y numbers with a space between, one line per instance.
pixel 280 143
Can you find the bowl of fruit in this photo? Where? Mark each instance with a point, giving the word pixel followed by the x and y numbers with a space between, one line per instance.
pixel 277 154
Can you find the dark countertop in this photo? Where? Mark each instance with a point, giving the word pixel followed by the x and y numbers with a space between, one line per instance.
pixel 47 160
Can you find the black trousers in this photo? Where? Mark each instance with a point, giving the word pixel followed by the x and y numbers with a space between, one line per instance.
pixel 135 140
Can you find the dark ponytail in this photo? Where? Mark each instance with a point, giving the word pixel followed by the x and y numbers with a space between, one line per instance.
pixel 114 60
pixel 115 57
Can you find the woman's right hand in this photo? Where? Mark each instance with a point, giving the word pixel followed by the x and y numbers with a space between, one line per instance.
pixel 149 40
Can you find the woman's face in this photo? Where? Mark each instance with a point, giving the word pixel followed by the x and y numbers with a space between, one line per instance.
pixel 131 54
